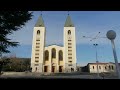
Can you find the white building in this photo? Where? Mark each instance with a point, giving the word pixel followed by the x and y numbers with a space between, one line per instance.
pixel 53 58
pixel 102 67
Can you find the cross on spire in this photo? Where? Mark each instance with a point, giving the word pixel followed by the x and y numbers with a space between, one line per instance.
pixel 68 22
pixel 40 22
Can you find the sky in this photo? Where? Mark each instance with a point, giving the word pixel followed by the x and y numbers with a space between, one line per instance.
pixel 87 23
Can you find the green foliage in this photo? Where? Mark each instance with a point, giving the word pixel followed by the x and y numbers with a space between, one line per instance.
pixel 11 21
pixel 17 65
pixel 3 61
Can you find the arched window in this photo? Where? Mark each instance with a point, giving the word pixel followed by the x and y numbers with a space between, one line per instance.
pixel 69 32
pixel 53 53
pixel 36 69
pixel 109 67
pixel 93 67
pixel 46 55
pixel 38 32
pixel 99 67
pixel 105 67
pixel 60 55
pixel 112 67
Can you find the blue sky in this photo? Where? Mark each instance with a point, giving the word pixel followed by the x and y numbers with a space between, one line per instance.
pixel 87 23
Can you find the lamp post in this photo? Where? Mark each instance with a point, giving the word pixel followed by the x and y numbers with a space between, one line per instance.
pixel 111 35
pixel 96 59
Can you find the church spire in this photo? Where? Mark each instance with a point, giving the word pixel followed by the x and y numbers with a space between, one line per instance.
pixel 68 22
pixel 40 22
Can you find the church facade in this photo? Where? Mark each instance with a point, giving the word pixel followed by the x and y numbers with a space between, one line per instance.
pixel 53 58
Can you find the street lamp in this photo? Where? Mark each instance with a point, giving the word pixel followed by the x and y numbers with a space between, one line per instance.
pixel 111 35
pixel 96 59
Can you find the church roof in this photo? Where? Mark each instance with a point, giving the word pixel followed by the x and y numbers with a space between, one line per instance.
pixel 40 22
pixel 54 45
pixel 68 22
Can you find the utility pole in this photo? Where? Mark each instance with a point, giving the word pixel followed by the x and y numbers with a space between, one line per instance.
pixel 94 38
pixel 96 59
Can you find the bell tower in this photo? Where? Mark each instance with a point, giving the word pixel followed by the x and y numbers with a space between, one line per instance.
pixel 38 45
pixel 69 45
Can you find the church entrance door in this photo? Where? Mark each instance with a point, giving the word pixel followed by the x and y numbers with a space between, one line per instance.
pixel 60 68
pixel 45 68
pixel 53 68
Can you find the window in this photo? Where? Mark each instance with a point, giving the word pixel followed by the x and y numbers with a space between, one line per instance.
pixel 69 50
pixel 38 32
pixel 69 53
pixel 69 47
pixel 60 55
pixel 109 67
pixel 53 53
pixel 37 46
pixel 37 50
pixel 46 55
pixel 105 67
pixel 36 60
pixel 112 67
pixel 69 32
pixel 69 64
pixel 69 40
pixel 38 40
pixel 36 57
pixel 36 64
pixel 36 68
pixel 69 43
pixel 93 67
pixel 36 53
pixel 70 57
pixel 99 67
pixel 37 43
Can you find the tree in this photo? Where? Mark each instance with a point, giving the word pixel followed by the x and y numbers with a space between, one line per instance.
pixel 27 64
pixel 17 64
pixel 3 61
pixel 11 21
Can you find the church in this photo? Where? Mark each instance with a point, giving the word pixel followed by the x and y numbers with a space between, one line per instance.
pixel 53 58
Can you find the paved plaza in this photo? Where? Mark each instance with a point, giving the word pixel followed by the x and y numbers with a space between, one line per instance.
pixel 29 75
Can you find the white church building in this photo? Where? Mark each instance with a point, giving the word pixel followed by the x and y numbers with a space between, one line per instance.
pixel 53 58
